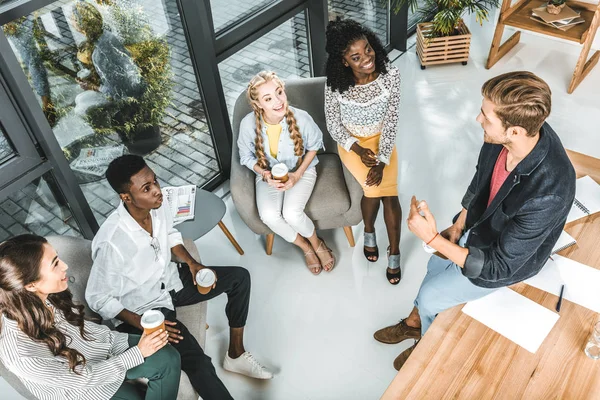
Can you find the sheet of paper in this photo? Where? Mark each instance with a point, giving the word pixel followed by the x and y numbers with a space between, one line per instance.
pixel 564 240
pixel 514 316
pixel 587 191
pixel 582 283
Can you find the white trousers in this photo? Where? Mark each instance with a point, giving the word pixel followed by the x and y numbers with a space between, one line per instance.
pixel 283 211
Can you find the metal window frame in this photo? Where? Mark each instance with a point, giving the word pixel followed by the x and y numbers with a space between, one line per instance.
pixel 29 111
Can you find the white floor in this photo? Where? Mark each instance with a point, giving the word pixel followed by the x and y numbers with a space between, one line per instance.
pixel 316 332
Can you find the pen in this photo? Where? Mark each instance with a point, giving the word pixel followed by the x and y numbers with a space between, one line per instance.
pixel 562 289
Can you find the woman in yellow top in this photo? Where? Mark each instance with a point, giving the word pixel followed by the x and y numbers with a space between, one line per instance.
pixel 276 133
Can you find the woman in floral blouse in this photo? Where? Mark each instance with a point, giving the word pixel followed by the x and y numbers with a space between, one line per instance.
pixel 361 107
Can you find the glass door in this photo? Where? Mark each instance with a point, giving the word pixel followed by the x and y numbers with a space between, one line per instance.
pixel 17 151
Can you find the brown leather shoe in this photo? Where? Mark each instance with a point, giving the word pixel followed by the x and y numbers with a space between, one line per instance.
pixel 403 357
pixel 397 333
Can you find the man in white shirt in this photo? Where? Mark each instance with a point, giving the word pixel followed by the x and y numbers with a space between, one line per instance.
pixel 132 273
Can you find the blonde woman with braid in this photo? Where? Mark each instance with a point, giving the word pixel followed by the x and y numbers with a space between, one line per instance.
pixel 277 133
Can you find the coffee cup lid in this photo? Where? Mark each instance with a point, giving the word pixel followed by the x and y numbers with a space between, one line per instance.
pixel 279 169
pixel 205 277
pixel 152 319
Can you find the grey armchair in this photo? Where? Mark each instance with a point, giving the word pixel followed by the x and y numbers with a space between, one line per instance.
pixel 335 201
pixel 77 253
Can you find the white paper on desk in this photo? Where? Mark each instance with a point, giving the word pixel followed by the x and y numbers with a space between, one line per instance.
pixel 581 282
pixel 514 316
pixel 587 199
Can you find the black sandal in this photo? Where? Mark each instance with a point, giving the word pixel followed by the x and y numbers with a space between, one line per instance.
pixel 370 241
pixel 393 263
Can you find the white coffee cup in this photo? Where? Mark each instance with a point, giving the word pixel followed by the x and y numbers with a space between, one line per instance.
pixel 205 279
pixel 428 249
pixel 280 172
pixel 152 320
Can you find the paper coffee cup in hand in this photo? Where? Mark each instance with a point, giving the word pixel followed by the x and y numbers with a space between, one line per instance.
pixel 280 172
pixel 205 279
pixel 152 320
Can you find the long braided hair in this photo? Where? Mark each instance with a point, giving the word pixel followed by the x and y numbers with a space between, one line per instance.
pixel 252 94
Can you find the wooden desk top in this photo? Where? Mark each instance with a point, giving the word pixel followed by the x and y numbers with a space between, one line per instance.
pixel 460 358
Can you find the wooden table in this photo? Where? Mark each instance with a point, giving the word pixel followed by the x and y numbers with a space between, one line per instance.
pixel 460 358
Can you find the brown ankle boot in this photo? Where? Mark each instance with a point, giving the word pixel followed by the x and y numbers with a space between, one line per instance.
pixel 397 333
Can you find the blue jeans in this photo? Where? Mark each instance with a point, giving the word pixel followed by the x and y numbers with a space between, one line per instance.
pixel 444 287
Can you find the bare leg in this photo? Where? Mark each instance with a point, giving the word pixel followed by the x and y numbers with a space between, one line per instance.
pixel 236 342
pixel 370 207
pixel 392 214
pixel 414 319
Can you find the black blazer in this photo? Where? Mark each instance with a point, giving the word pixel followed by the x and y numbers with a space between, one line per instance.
pixel 512 239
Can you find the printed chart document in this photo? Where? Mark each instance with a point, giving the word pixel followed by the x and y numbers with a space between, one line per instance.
pixel 181 202
pixel 564 241
pixel 587 199
pixel 581 281
pixel 514 316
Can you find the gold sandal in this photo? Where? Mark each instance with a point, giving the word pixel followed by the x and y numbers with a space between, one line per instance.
pixel 327 249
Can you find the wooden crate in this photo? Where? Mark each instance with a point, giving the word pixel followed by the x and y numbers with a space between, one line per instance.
pixel 443 50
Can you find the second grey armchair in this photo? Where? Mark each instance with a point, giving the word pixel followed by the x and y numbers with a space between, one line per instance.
pixel 335 201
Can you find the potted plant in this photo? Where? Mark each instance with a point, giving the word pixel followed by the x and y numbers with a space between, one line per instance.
pixel 446 39
pixel 135 76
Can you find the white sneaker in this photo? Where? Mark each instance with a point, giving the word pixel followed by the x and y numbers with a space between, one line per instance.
pixel 247 365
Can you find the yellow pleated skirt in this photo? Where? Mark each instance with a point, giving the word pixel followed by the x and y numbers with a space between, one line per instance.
pixel 352 161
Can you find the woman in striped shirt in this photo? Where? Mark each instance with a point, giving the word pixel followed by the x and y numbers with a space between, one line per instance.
pixel 47 344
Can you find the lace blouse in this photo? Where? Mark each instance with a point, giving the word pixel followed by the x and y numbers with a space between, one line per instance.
pixel 365 110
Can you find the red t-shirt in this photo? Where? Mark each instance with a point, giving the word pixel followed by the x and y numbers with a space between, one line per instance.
pixel 499 175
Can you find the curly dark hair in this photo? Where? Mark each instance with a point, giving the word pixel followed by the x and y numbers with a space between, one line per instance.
pixel 340 34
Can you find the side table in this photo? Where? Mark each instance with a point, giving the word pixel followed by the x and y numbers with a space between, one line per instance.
pixel 519 16
pixel 209 210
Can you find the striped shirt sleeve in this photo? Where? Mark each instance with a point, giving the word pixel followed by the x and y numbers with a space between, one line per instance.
pixel 49 371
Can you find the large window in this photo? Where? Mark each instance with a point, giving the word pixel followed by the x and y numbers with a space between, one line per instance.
pixel 228 13
pixel 283 50
pixel 40 208
pixel 6 148
pixel 373 14
pixel 115 77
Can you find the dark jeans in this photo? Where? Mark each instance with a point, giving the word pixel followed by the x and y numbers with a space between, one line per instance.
pixel 235 282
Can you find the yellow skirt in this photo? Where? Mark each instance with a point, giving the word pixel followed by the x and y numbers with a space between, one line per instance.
pixel 352 161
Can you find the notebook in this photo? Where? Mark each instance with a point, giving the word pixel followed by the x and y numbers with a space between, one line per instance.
pixel 587 199
pixel 564 241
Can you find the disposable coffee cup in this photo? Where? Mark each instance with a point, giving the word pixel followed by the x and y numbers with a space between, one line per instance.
pixel 428 248
pixel 205 279
pixel 152 321
pixel 280 172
